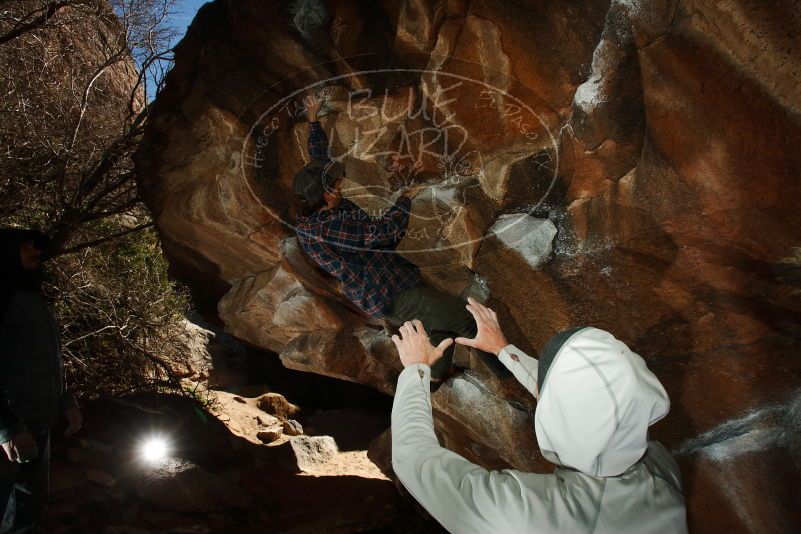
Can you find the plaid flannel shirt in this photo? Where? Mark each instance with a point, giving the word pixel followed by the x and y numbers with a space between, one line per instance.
pixel 358 250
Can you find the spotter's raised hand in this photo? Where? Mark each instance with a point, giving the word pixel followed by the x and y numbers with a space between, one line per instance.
pixel 489 338
pixel 414 347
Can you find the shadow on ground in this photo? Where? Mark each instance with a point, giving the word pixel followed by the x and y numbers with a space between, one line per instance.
pixel 213 481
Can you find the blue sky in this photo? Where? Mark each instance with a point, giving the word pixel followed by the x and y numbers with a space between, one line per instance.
pixel 185 12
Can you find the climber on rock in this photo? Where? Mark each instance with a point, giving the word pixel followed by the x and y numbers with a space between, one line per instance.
pixel 359 250
pixel 595 401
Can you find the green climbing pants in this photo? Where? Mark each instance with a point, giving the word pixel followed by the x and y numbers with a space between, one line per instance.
pixel 442 315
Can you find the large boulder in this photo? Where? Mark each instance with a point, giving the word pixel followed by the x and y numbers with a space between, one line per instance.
pixel 365 355
pixel 629 165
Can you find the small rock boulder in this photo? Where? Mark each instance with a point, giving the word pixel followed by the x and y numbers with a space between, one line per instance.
pixel 305 453
pixel 275 404
pixel 292 428
pixel 270 435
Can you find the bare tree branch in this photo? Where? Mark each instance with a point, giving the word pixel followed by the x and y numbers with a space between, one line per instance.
pixel 105 239
pixel 37 19
pixel 74 102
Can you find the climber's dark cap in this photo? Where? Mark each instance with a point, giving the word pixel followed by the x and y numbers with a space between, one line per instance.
pixel 316 178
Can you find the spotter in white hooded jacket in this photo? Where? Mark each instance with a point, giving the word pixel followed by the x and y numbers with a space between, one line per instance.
pixel 596 400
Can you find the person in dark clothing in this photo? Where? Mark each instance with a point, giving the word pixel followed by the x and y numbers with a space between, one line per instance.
pixel 359 251
pixel 32 394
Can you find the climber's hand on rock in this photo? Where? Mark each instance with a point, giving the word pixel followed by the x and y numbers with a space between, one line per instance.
pixel 489 337
pixel 414 346
pixel 313 104
pixel 21 448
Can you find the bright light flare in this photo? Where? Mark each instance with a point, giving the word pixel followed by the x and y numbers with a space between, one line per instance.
pixel 154 450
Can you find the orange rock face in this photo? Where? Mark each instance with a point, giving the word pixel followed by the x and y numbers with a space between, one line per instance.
pixel 660 141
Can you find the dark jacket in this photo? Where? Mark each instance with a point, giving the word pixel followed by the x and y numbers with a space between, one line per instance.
pixel 32 395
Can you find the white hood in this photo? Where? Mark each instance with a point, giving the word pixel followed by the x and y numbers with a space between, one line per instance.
pixel 597 401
